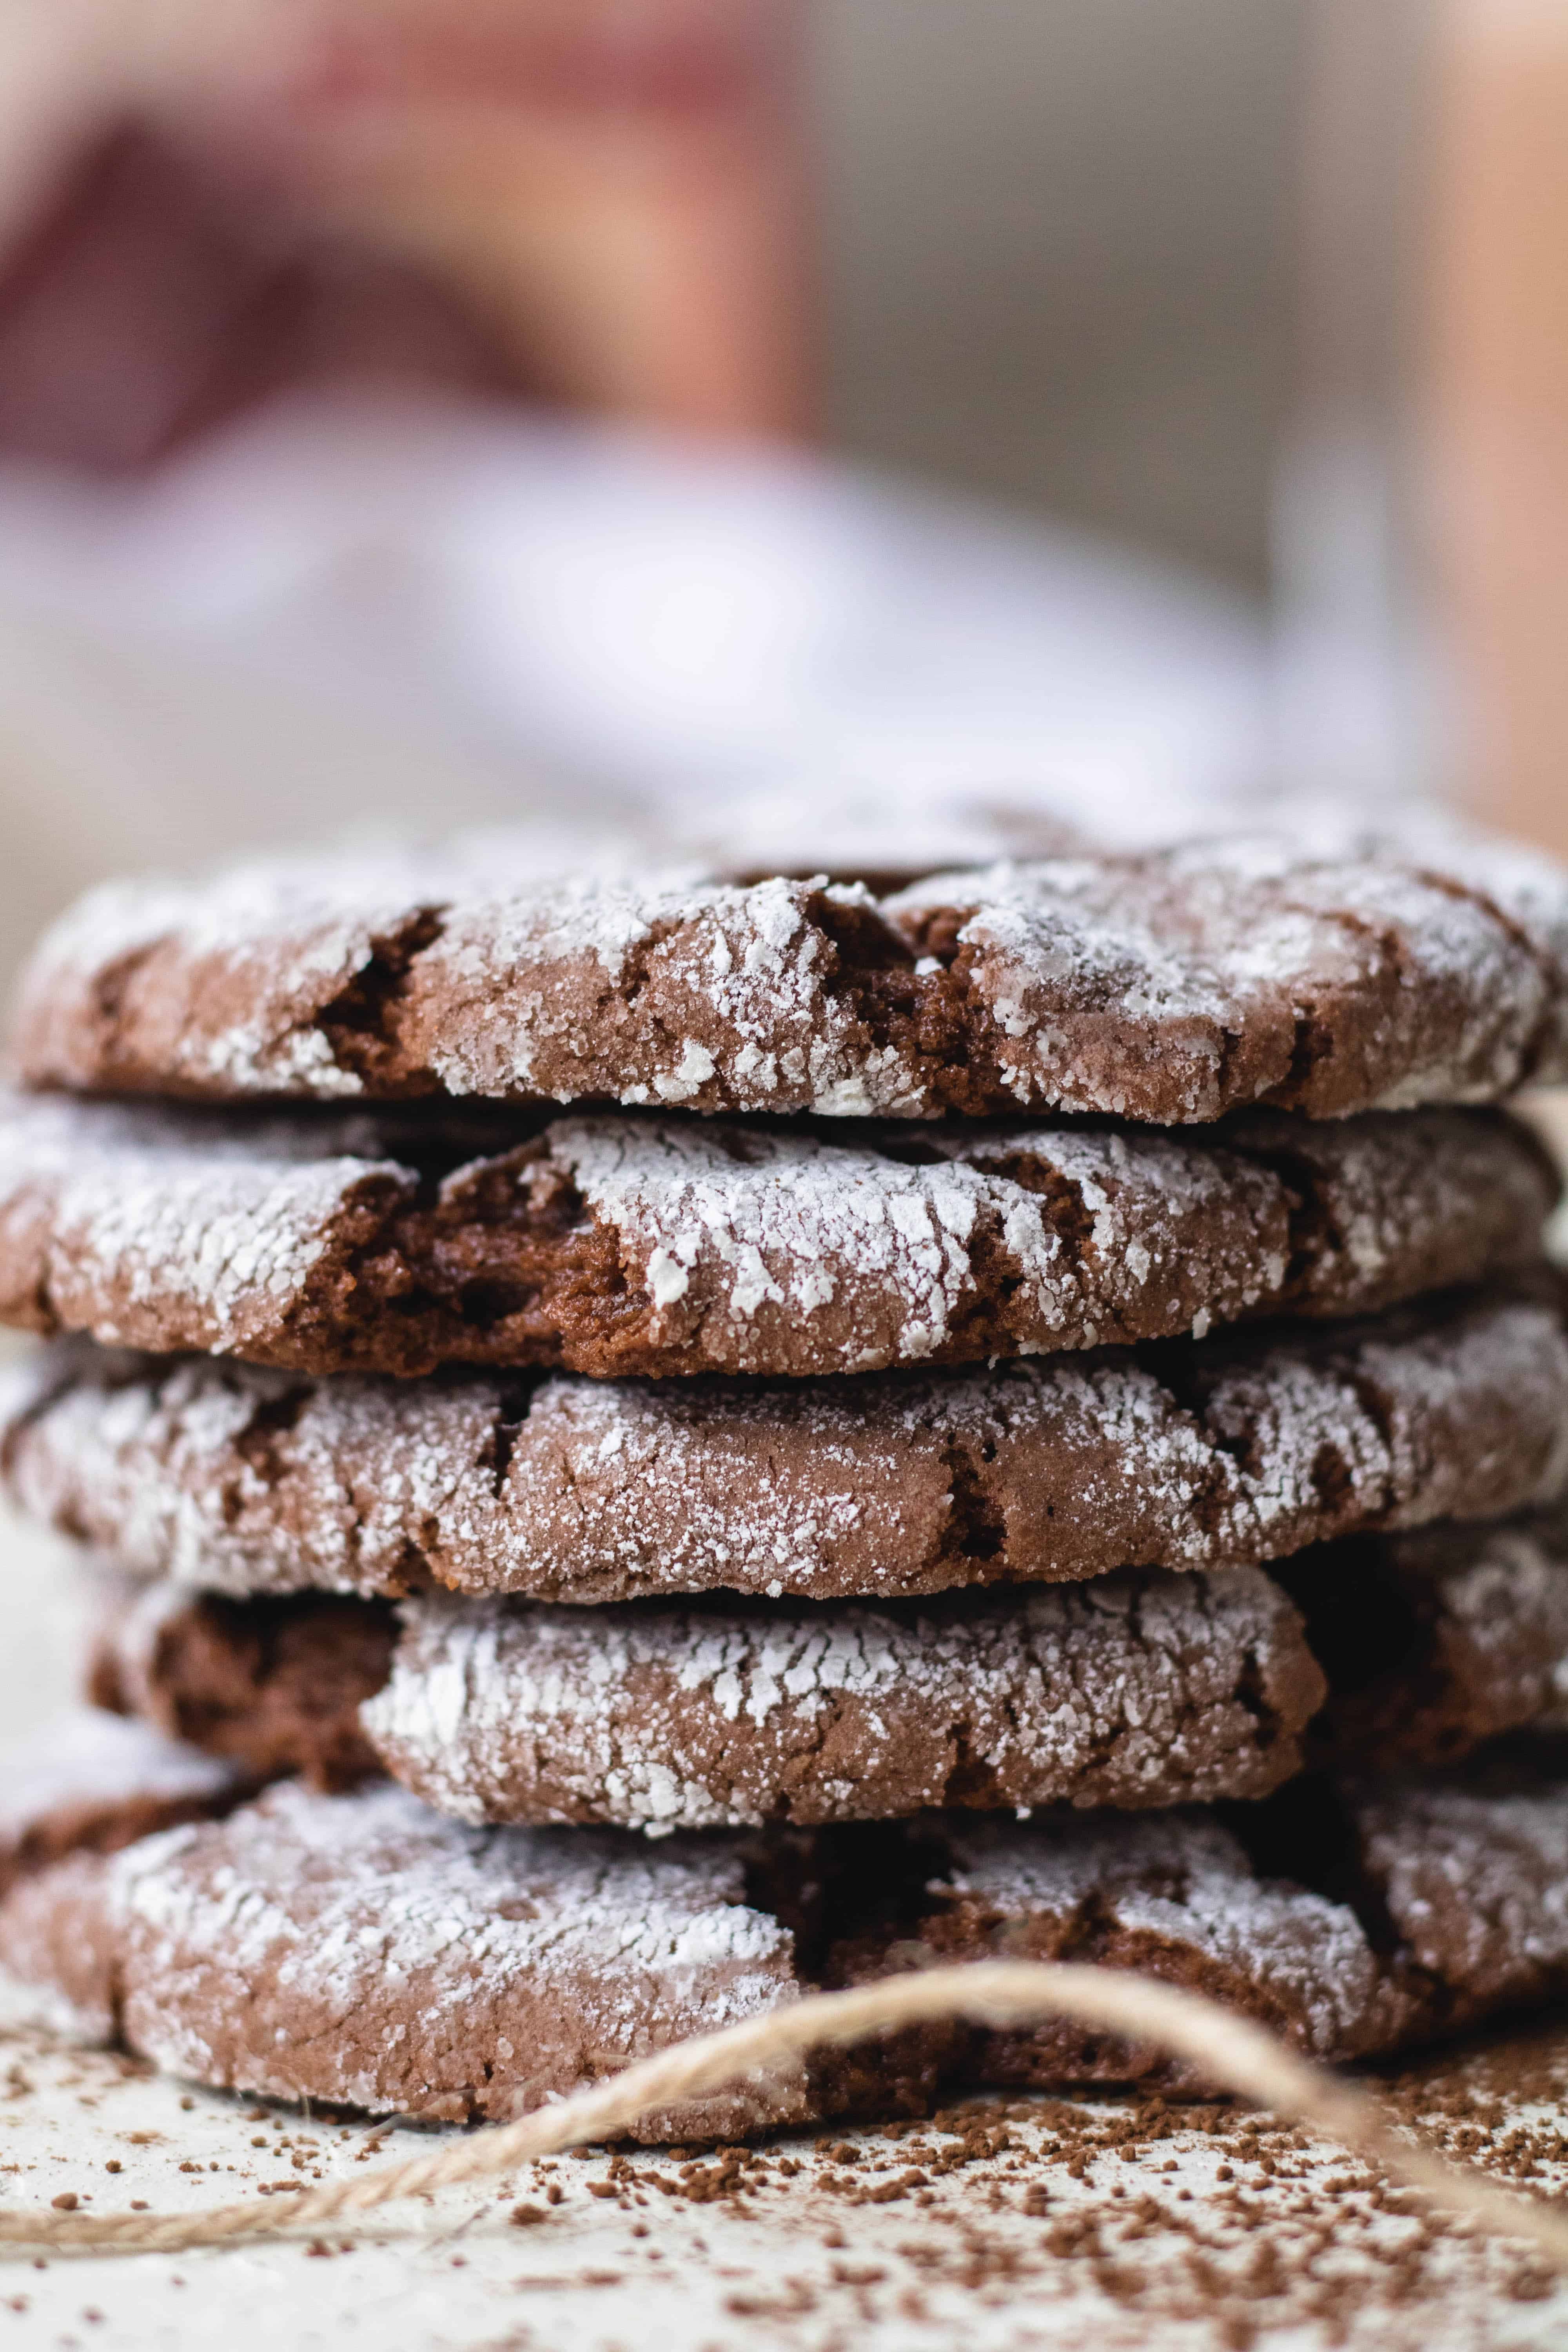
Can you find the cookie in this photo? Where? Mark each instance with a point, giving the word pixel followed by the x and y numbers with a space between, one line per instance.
pixel 1426 1905
pixel 1138 1689
pixel 618 1246
pixel 1172 1896
pixel 1169 987
pixel 364 1952
pixel 273 1686
pixel 1475 1882
pixel 1190 1456
pixel 97 1782
pixel 1437 1641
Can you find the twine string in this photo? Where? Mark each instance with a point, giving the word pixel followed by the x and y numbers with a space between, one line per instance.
pixel 1229 2050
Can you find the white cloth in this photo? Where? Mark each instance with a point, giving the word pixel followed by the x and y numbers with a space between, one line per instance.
pixel 349 612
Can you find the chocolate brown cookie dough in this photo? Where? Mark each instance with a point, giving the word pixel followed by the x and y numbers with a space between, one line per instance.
pixel 618 1245
pixel 1190 1456
pixel 1169 987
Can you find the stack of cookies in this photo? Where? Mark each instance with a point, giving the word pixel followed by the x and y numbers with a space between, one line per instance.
pixel 645 1444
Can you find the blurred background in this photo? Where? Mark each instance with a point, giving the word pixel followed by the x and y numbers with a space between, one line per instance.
pixel 764 424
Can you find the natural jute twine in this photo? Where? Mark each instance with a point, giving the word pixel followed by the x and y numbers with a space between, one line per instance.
pixel 1227 2051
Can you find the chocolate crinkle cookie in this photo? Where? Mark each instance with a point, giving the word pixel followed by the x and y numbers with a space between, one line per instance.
pixel 1167 987
pixel 364 1951
pixel 1138 1689
pixel 1193 1455
pixel 273 1686
pixel 617 1246
pixel 654 1439
pixel 1352 1919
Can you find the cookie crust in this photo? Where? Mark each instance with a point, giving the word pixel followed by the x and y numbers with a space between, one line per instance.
pixel 1436 1640
pixel 273 1686
pixel 618 1246
pixel 1169 987
pixel 1237 1449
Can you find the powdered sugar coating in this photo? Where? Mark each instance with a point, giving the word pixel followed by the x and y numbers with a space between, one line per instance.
pixel 1462 1910
pixel 618 1246
pixel 243 1480
pixel 263 947
pixel 748 1243
pixel 1169 987
pixel 499 1007
pixel 1136 979
pixel 1132 1690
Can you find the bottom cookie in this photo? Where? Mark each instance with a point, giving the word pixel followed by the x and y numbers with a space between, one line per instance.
pixel 364 1950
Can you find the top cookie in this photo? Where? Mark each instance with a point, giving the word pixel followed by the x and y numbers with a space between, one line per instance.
pixel 1172 986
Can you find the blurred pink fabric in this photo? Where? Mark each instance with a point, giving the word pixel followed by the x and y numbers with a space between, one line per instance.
pixel 596 202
